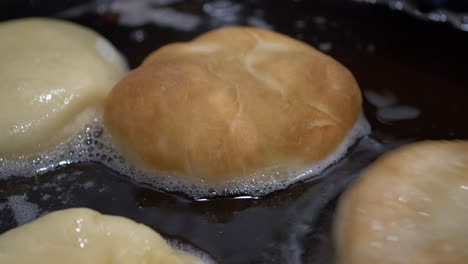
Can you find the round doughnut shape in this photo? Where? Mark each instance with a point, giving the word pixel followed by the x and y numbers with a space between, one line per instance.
pixel 54 76
pixel 410 206
pixel 231 103
pixel 81 235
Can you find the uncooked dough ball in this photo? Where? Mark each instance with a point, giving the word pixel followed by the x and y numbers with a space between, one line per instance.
pixel 85 236
pixel 231 103
pixel 54 77
pixel 409 207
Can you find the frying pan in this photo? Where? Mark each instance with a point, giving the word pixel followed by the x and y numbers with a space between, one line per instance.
pixel 412 71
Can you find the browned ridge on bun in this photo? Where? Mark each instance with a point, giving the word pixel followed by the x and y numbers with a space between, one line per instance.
pixel 232 103
pixel 409 207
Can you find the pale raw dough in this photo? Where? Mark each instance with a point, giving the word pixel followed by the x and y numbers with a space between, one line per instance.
pixel 84 236
pixel 231 103
pixel 54 76
pixel 409 207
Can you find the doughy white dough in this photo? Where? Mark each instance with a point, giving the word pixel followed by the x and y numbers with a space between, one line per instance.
pixel 85 236
pixel 54 75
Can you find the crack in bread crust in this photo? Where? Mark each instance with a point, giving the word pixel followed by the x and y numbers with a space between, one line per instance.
pixel 258 100
pixel 270 82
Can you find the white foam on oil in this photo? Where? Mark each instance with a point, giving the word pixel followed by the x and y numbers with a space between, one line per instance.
pixel 191 250
pixel 77 149
pixel 398 113
pixel 380 100
pixel 163 13
pixel 388 109
pixel 23 210
pixel 93 145
pixel 165 17
pixel 257 184
pixel 141 12
pixel 258 22
pixel 325 46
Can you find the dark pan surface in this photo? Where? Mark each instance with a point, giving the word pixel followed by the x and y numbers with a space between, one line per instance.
pixel 420 65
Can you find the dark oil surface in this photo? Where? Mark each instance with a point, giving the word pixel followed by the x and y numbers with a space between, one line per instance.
pixel 422 64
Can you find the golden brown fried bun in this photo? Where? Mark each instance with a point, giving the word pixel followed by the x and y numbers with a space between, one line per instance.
pixel 54 77
pixel 233 102
pixel 81 235
pixel 410 206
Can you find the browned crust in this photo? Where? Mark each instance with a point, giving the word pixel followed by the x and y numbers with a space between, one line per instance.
pixel 410 206
pixel 231 102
